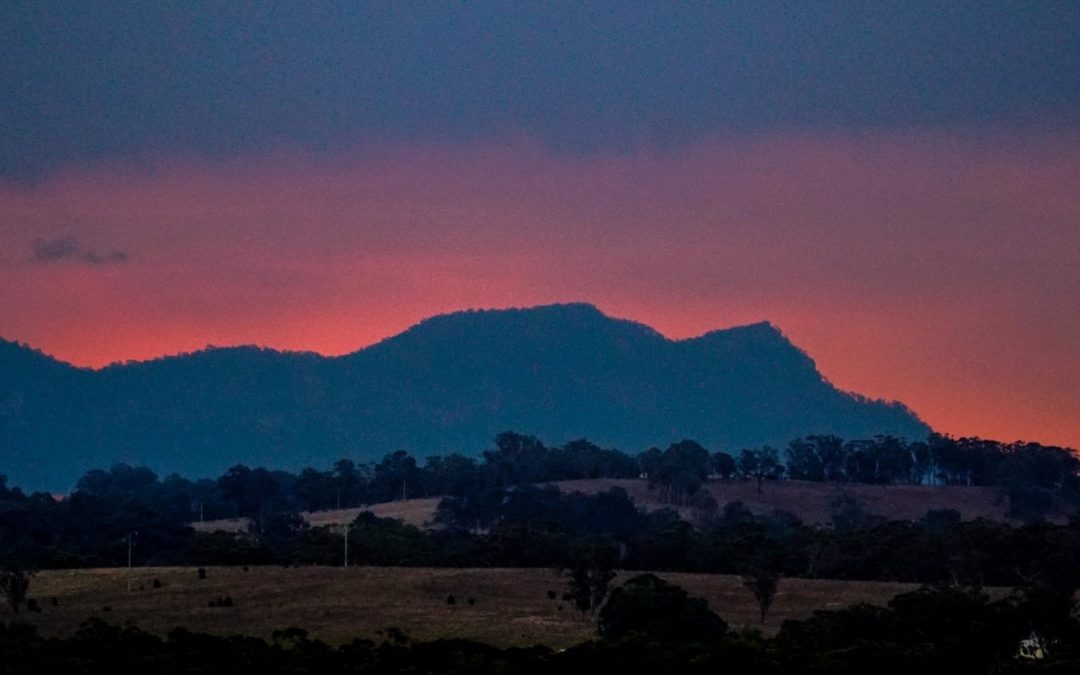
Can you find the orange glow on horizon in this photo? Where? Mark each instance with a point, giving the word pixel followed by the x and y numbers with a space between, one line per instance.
pixel 942 273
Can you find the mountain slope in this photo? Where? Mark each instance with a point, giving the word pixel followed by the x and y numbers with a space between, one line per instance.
pixel 449 383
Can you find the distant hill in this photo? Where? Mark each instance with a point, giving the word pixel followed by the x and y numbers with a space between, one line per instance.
pixel 450 383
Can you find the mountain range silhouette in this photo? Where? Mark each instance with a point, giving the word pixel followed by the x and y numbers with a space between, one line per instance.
pixel 449 383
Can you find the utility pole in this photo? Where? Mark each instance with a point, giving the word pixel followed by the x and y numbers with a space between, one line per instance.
pixel 129 549
pixel 402 489
pixel 346 544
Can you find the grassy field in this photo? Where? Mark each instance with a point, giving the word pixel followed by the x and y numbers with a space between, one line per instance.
pixel 337 605
pixel 417 512
pixel 805 499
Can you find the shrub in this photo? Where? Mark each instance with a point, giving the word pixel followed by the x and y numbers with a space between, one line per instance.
pixel 221 601
pixel 651 607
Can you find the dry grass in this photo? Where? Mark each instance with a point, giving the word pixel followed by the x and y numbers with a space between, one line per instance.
pixel 418 512
pixel 805 499
pixel 338 605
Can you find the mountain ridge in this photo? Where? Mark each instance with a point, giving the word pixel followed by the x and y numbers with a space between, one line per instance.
pixel 252 347
pixel 448 383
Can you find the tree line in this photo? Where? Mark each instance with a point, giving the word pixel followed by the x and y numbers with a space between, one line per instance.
pixel 255 492
pixel 1038 477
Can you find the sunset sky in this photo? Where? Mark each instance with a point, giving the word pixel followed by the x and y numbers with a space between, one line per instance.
pixel 894 185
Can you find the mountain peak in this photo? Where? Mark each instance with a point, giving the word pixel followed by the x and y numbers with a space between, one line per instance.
pixel 448 384
pixel 554 322
pixel 759 329
pixel 567 310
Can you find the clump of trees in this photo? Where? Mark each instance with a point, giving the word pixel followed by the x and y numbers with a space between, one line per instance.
pixel 14 586
pixel 650 608
pixel 678 472
pixel 589 570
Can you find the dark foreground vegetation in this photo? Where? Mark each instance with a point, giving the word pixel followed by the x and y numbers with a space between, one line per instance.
pixel 647 626
pixel 536 527
pixel 491 516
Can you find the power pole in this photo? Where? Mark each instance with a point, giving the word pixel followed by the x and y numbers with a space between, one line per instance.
pixel 346 544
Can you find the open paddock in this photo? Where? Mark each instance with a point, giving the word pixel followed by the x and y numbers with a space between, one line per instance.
pixel 511 606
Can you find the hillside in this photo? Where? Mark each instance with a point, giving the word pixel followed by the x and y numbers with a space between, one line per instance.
pixel 805 499
pixel 809 500
pixel 449 383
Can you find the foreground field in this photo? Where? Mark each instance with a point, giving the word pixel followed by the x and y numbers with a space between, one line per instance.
pixel 510 606
pixel 807 500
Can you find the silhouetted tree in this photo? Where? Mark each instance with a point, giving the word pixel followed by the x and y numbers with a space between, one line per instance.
pixel 847 512
pixel 723 465
pixel 649 607
pixel 762 464
pixel 679 471
pixel 14 585
pixel 763 583
pixel 394 477
pixel 454 475
pixel 589 572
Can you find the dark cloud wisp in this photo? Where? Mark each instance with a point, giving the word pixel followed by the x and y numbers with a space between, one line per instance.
pixel 69 248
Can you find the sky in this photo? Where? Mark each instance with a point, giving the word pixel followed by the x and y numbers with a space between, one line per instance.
pixel 894 185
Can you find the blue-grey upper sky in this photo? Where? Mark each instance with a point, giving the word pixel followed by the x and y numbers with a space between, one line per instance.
pixel 88 81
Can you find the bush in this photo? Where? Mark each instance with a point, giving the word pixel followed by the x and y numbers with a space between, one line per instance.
pixel 222 601
pixel 650 607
